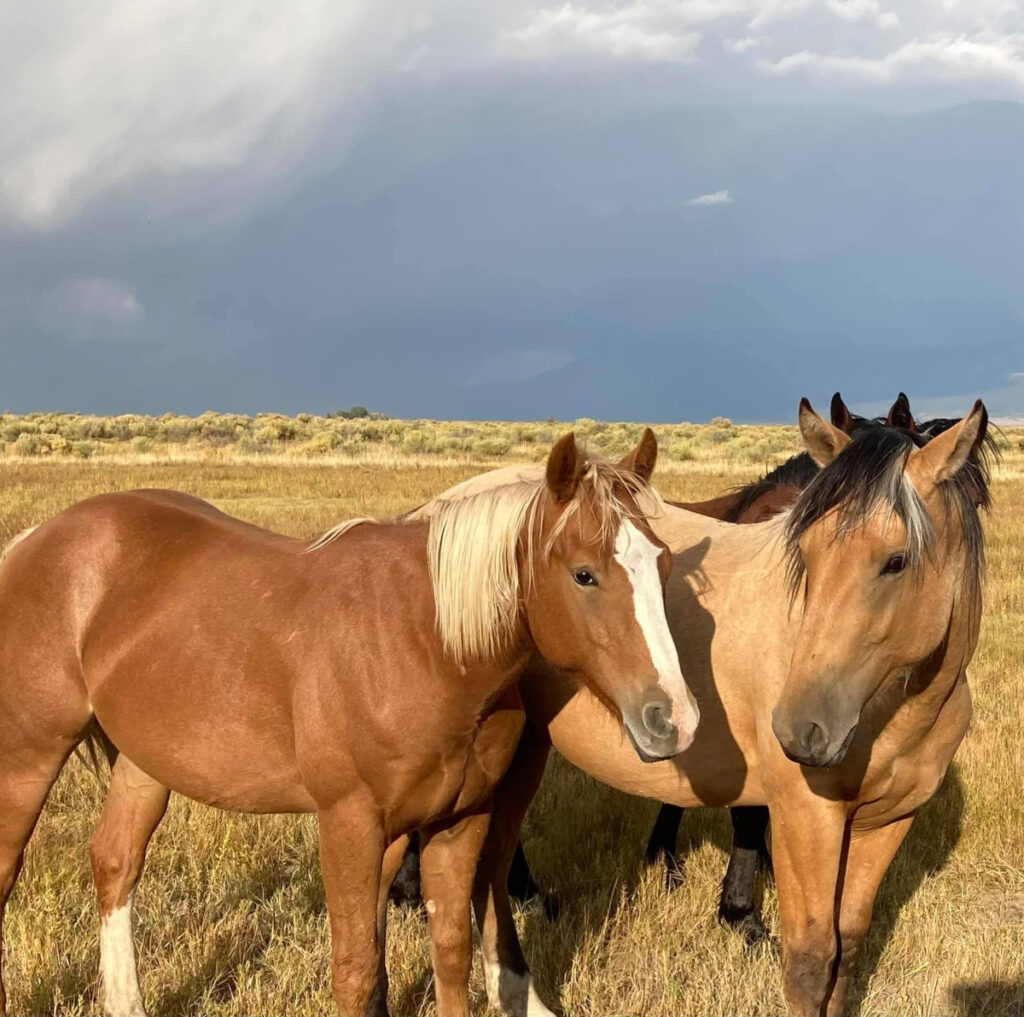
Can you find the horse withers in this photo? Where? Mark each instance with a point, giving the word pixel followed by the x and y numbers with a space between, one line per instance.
pixel 370 678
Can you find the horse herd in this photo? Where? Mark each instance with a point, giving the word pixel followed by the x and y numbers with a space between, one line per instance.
pixel 406 681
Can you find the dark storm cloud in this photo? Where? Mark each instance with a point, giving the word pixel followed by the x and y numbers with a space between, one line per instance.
pixel 566 226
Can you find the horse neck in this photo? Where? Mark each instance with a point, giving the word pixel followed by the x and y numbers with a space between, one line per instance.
pixel 931 682
pixel 713 508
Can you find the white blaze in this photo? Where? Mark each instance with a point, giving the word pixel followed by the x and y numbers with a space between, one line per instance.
pixel 638 556
pixel 118 975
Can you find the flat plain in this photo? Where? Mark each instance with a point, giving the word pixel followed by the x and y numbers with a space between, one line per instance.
pixel 230 913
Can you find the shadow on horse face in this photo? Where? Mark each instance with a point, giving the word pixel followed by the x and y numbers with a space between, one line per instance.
pixel 596 611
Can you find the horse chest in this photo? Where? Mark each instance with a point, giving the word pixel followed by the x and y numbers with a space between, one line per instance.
pixel 459 776
pixel 489 756
pixel 900 782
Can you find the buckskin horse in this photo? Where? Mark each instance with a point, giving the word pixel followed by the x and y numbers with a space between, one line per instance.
pixel 828 652
pixel 755 502
pixel 370 677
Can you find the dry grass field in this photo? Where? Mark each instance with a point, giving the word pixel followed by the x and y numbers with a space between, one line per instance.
pixel 230 913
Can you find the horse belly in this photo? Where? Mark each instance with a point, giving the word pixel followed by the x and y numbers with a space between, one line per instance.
pixel 200 740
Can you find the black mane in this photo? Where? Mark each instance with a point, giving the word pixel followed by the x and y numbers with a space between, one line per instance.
pixel 869 473
pixel 797 471
pixel 937 425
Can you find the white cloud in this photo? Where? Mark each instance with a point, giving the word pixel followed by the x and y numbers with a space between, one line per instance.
pixel 637 30
pixel 715 198
pixel 107 299
pixel 92 97
pixel 941 57
pixel 516 366
pixel 864 10
pixel 181 96
pixel 91 309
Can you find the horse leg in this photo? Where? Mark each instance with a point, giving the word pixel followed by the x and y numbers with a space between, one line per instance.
pixel 351 859
pixel 509 985
pixel 868 858
pixel 28 773
pixel 134 807
pixel 522 886
pixel 808 839
pixel 393 860
pixel 448 861
pixel 405 888
pixel 663 843
pixel 737 906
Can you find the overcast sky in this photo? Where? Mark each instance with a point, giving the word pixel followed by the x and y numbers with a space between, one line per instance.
pixel 645 209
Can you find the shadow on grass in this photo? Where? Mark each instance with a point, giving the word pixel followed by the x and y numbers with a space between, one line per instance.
pixel 999 998
pixel 585 831
pixel 216 973
pixel 412 998
pixel 76 981
pixel 933 837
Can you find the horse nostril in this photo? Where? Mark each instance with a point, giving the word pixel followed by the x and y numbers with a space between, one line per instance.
pixel 656 720
pixel 813 738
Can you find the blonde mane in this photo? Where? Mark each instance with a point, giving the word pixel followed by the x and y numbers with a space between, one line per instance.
pixel 473 544
pixel 15 541
pixel 331 535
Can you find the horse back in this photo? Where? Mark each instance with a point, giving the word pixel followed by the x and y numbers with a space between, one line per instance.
pixel 197 638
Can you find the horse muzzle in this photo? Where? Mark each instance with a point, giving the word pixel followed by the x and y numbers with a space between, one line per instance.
pixel 652 730
pixel 813 742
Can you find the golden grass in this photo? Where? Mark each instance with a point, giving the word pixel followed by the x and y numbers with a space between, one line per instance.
pixel 231 916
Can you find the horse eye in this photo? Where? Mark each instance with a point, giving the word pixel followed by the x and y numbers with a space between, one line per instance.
pixel 584 577
pixel 896 563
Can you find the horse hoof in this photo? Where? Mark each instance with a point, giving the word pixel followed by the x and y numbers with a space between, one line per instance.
pixel 548 903
pixel 552 905
pixel 748 924
pixel 673 873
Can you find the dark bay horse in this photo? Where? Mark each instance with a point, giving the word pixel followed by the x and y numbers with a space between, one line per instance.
pixel 371 678
pixel 828 651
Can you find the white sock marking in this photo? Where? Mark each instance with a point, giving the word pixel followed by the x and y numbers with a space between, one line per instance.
pixel 118 975
pixel 639 558
pixel 513 993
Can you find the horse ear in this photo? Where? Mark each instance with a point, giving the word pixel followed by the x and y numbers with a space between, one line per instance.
pixel 841 415
pixel 564 469
pixel 945 455
pixel 824 441
pixel 899 414
pixel 642 459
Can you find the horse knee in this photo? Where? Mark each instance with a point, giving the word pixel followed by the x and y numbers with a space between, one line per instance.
pixel 808 967
pixel 451 944
pixel 851 942
pixel 115 871
pixel 354 977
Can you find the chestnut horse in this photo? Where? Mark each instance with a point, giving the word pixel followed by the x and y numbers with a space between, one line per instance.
pixel 370 677
pixel 755 502
pixel 828 651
